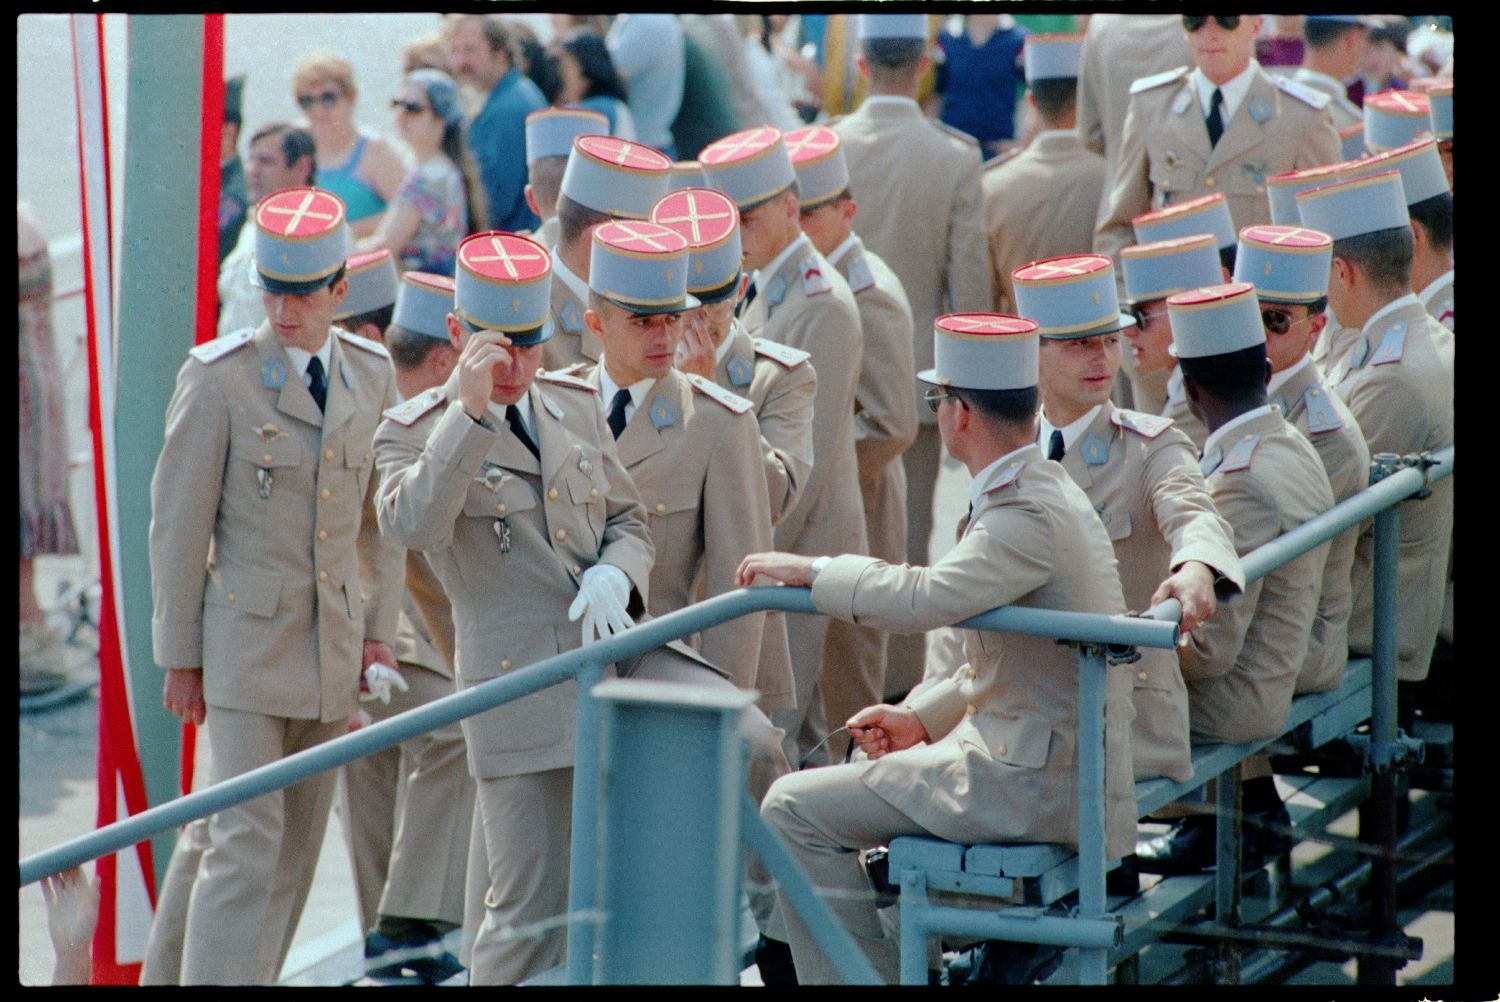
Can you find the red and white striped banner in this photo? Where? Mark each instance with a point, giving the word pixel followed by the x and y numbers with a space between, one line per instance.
pixel 127 878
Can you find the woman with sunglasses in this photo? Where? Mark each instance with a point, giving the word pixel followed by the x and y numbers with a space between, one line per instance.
pixel 363 169
pixel 437 203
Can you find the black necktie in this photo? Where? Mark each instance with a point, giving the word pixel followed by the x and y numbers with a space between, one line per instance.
pixel 1055 445
pixel 317 383
pixel 617 412
pixel 518 428
pixel 1214 122
pixel 739 310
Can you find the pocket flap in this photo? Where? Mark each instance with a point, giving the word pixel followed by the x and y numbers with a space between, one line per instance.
pixel 247 589
pixel 513 495
pixel 1020 741
pixel 357 456
pixel 274 455
pixel 670 502
pixel 1116 523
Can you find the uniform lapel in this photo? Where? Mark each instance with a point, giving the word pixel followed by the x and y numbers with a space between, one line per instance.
pixel 339 405
pixel 1190 127
pixel 1243 132
pixel 641 437
pixel 293 399
pixel 552 434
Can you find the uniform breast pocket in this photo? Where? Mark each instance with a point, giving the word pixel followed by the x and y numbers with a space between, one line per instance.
pixel 359 459
pixel 498 494
pixel 588 492
pixel 1116 524
pixel 244 589
pixel 1024 741
pixel 674 522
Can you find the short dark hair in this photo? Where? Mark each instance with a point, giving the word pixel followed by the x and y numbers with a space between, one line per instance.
pixel 497 33
pixel 1227 256
pixel 381 318
pixel 1012 407
pixel 408 348
pixel 892 53
pixel 1320 34
pixel 574 219
pixel 1383 255
pixel 1055 96
pixel 1435 215
pixel 296 143
pixel 1234 375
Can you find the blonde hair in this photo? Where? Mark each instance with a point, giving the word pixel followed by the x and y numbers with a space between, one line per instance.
pixel 325 66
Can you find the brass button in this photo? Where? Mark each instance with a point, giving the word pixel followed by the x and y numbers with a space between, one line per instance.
pixel 1000 749
pixel 266 458
pixel 230 596
pixel 1208 182
pixel 661 509
pixel 325 494
pixel 328 455
pixel 501 509
pixel 562 534
pixel 1142 676
pixel 577 570
pixel 593 492
pixel 552 494
pixel 322 535
pixel 322 575
pixel 505 665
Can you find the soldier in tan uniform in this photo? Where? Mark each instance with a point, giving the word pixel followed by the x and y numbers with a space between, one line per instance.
pixel 1388 368
pixel 1333 46
pixel 511 485
pixel 1289 268
pixel 805 304
pixel 408 809
pixel 1042 202
pixel 920 184
pixel 549 140
pixel 258 615
pixel 1141 475
pixel 1224 125
pixel 1242 666
pixel 987 755
pixel 885 422
pixel 606 178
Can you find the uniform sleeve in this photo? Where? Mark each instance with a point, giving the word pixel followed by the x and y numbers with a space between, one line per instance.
pixel 736 523
pixel 382 560
pixel 1185 512
pixel 829 331
pixel 786 431
pixel 424 477
pixel 1386 410
pixel 185 490
pixel 626 543
pixel 1129 192
pixel 1090 114
pixel 1211 649
pixel 1319 144
pixel 1009 554
pixel 885 419
pixel 969 288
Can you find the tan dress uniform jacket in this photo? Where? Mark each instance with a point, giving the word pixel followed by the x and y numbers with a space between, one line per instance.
pixel 1142 477
pixel 807 305
pixel 1401 393
pixel 885 424
pixel 780 383
pixel 571 341
pixel 1241 666
pixel 1325 421
pixel 1040 203
pixel 691 449
pixel 1182 416
pixel 256 578
pixel 1165 156
pixel 1001 762
pixel 1343 111
pixel 1118 48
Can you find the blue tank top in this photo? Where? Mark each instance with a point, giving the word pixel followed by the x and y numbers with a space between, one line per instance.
pixel 360 200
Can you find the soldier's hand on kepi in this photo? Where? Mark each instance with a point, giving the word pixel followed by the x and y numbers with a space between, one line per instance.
pixel 603 595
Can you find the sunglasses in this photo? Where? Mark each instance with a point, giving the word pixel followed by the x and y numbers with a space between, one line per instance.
pixel 327 99
pixel 1143 317
pixel 937 395
pixel 1192 22
pixel 1279 322
pixel 410 107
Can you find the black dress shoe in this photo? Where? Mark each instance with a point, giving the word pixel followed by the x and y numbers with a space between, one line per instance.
pixel 1187 847
pixel 1125 879
pixel 774 958
pixel 1266 836
pixel 421 957
pixel 1000 962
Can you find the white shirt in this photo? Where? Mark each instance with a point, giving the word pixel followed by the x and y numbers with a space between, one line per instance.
pixel 608 388
pixel 1234 91
pixel 842 249
pixel 1227 429
pixel 1410 299
pixel 896 99
pixel 575 285
pixel 1278 379
pixel 1070 433
pixel 1436 288
pixel 776 262
pixel 300 360
pixel 985 477
pixel 722 351
pixel 497 411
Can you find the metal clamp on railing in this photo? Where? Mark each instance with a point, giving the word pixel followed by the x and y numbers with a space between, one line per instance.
pixel 1405 751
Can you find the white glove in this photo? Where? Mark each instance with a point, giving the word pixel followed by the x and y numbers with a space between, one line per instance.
pixel 379 679
pixel 603 593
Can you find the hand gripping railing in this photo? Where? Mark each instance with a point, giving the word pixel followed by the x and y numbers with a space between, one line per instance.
pixel 1096 634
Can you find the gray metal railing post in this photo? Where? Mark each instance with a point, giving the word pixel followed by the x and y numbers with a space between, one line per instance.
pixel 1093 812
pixel 671 783
pixel 583 888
